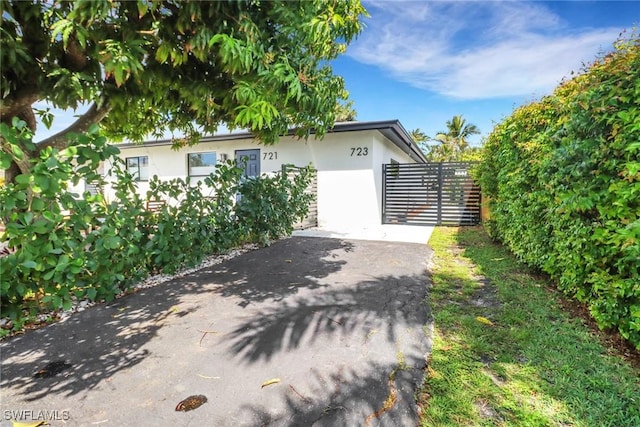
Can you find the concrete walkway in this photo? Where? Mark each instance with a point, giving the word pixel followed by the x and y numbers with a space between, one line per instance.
pixel 337 328
pixel 382 232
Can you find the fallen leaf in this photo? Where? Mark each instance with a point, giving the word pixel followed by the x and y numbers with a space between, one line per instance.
pixel 484 320
pixel 269 382
pixel 191 402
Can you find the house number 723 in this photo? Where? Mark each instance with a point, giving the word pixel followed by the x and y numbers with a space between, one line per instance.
pixel 359 151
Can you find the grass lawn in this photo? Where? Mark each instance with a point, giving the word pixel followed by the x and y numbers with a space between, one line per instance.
pixel 508 352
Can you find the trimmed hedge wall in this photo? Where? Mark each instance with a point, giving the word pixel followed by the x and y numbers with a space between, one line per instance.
pixel 66 246
pixel 563 176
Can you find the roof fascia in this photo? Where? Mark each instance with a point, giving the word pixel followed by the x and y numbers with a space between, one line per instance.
pixel 391 129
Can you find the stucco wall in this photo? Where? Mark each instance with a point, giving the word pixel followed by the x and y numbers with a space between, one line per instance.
pixel 387 151
pixel 349 168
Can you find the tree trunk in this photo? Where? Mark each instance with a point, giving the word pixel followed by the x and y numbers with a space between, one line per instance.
pixel 11 173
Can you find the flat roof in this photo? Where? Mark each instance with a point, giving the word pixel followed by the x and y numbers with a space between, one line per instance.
pixel 391 129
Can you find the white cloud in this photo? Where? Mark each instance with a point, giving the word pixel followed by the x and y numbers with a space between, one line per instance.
pixel 476 50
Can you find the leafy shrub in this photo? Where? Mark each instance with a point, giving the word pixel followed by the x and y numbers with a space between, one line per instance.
pixel 66 246
pixel 49 263
pixel 563 175
pixel 191 224
pixel 259 212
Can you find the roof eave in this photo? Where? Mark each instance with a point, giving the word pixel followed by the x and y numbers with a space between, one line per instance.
pixel 391 129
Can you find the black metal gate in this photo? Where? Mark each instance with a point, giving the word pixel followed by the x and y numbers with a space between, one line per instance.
pixel 429 194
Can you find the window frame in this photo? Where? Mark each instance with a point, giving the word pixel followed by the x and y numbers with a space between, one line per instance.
pixel 138 177
pixel 200 175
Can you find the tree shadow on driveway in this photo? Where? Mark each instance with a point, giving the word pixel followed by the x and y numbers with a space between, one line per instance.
pixel 360 355
pixel 352 352
pixel 383 394
pixel 320 314
pixel 276 272
pixel 384 305
pixel 104 340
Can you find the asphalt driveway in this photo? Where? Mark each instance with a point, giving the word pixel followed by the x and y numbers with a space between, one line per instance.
pixel 338 329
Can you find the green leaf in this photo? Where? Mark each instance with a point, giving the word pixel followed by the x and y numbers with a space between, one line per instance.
pixel 143 8
pixel 41 226
pixel 51 162
pixel 18 124
pixel 17 152
pixel 27 217
pixel 23 179
pixel 37 205
pixel 43 182
pixel 5 160
pixel 51 216
pixel 162 54
pixel 29 264
pixel 112 242
pixel 56 301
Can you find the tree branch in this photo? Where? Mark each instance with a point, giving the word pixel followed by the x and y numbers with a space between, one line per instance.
pixel 17 166
pixel 93 115
pixel 12 107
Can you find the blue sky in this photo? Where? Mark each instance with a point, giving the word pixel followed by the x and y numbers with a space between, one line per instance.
pixel 422 62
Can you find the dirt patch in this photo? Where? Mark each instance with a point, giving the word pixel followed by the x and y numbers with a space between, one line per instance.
pixel 486 295
pixel 486 411
pixel 611 338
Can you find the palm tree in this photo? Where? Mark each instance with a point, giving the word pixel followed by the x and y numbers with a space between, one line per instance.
pixel 458 130
pixel 420 138
pixel 453 142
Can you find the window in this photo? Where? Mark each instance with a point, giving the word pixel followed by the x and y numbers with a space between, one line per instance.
pixel 201 164
pixel 138 167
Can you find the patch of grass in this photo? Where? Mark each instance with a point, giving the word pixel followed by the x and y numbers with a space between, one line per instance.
pixel 505 353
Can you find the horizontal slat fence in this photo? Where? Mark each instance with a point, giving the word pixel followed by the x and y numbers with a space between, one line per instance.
pixel 311 220
pixel 430 194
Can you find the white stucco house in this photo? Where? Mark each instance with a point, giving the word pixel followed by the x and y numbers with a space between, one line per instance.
pixel 348 160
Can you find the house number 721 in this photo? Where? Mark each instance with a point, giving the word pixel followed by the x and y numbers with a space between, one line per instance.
pixel 270 155
pixel 359 151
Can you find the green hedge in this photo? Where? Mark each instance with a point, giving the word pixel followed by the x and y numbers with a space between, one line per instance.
pixel 563 176
pixel 66 246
